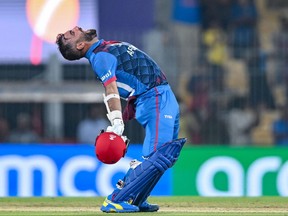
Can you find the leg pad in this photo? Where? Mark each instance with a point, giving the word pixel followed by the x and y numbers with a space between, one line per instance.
pixel 140 181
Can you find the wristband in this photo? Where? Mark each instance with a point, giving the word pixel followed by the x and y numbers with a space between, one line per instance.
pixel 115 114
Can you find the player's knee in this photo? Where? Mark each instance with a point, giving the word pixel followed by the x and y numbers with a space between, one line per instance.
pixel 166 156
pixel 162 163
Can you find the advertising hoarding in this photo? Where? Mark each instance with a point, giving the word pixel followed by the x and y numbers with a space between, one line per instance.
pixel 64 170
pixel 73 170
pixel 224 171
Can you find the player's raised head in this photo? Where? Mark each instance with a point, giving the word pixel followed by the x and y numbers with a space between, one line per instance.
pixel 73 43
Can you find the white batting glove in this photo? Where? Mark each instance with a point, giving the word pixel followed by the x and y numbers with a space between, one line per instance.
pixel 117 127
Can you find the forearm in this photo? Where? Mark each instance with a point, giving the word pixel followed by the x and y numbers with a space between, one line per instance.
pixel 113 103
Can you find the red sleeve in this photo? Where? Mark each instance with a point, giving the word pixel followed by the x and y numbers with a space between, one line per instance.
pixel 109 81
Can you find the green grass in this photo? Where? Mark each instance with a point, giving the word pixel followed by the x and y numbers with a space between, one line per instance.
pixel 174 206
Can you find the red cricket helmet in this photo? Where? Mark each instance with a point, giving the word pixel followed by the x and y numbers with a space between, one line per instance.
pixel 110 147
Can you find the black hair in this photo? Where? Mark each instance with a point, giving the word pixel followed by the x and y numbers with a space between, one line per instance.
pixel 67 50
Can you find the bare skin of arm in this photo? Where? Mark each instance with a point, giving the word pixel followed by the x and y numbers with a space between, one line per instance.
pixel 113 103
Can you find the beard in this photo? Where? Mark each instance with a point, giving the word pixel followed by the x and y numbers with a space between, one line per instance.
pixel 90 34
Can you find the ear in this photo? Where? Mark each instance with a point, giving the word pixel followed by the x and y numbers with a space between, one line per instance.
pixel 80 45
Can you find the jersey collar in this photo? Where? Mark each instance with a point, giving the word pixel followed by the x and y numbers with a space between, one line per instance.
pixel 92 48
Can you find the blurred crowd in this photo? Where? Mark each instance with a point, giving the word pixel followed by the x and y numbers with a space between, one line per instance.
pixel 28 127
pixel 232 90
pixel 229 97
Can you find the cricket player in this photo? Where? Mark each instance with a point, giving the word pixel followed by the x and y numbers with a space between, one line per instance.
pixel 128 73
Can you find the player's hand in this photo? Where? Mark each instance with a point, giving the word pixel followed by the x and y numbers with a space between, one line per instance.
pixel 126 140
pixel 117 127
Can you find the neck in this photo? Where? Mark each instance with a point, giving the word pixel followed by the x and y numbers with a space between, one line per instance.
pixel 89 44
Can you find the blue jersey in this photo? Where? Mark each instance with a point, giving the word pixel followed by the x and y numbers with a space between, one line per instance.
pixel 133 70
